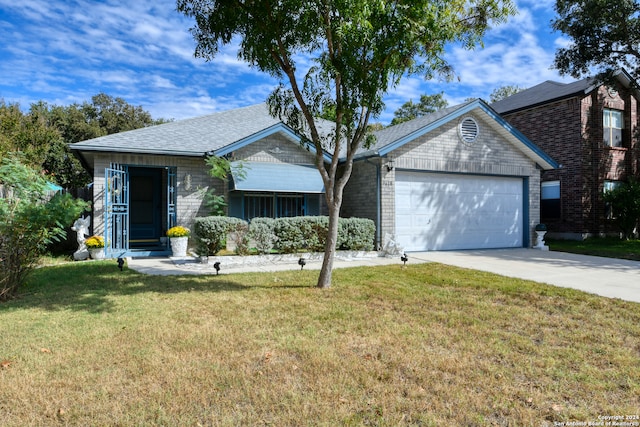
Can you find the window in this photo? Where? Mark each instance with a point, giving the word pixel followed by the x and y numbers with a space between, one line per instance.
pixel 550 200
pixel 274 205
pixel 612 123
pixel 258 205
pixel 609 186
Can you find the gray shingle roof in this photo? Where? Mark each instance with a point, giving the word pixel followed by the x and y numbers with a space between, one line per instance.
pixel 190 137
pixel 542 94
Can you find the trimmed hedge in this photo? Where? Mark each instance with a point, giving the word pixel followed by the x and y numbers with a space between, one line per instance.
pixel 285 235
pixel 211 233
pixel 356 234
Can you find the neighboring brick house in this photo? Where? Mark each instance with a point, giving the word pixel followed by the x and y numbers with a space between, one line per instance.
pixel 590 129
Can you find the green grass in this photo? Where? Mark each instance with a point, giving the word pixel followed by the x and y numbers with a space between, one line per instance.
pixel 606 247
pixel 428 344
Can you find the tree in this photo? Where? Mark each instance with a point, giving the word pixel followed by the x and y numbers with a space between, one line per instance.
pixel 428 104
pixel 604 34
pixel 504 92
pixel 624 202
pixel 29 221
pixel 358 50
pixel 44 132
pixel 28 133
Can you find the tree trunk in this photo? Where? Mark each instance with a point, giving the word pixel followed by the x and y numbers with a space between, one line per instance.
pixel 324 280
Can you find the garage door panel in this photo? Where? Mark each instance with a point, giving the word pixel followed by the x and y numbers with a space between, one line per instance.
pixel 446 212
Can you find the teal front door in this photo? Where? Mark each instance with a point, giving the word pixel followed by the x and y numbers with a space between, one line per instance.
pixel 145 207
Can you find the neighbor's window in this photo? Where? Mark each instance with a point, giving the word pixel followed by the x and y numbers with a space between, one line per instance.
pixel 613 123
pixel 608 186
pixel 550 200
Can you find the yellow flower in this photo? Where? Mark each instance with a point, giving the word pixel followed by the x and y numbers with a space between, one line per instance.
pixel 94 242
pixel 178 231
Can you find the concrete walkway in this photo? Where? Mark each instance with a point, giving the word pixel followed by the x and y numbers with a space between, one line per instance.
pixel 607 277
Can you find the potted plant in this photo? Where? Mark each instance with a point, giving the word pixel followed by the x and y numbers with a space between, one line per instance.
pixel 95 245
pixel 179 238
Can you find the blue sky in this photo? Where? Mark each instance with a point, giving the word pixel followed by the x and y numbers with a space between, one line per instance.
pixel 65 51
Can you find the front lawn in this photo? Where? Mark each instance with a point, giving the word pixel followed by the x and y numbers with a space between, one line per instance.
pixel 606 247
pixel 428 344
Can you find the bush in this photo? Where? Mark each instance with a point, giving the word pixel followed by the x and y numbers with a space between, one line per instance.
pixel 356 234
pixel 310 233
pixel 625 206
pixel 286 235
pixel 28 222
pixel 261 231
pixel 239 233
pixel 211 233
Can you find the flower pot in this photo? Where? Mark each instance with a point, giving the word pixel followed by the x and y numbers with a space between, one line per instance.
pixel 179 245
pixel 97 253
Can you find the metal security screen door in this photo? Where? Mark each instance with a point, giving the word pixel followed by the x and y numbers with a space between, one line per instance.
pixel 119 206
pixel 116 210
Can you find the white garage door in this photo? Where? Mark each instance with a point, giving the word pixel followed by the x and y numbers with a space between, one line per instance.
pixel 448 211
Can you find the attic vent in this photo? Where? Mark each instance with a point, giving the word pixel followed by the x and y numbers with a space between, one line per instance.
pixel 468 130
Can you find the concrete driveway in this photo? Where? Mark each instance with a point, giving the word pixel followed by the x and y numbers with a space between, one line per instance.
pixel 609 277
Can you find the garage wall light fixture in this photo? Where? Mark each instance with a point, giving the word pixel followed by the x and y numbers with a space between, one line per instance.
pixel 390 164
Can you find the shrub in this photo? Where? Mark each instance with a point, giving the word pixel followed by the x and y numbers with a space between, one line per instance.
pixel 28 222
pixel 310 233
pixel 290 236
pixel 356 234
pixel 211 233
pixel 261 231
pixel 239 233
pixel 624 202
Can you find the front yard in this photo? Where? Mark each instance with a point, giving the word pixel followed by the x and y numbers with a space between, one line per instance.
pixel 428 344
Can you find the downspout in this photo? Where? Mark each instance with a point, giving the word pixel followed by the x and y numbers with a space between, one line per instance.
pixel 378 204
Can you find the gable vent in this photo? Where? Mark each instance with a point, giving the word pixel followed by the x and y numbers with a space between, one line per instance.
pixel 468 130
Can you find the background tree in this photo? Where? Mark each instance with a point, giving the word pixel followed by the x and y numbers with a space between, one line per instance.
pixel 624 202
pixel 29 221
pixel 503 92
pixel 604 34
pixel 44 132
pixel 428 104
pixel 357 49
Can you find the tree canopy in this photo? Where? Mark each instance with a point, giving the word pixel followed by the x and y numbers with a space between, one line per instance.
pixel 503 92
pixel 43 132
pixel 604 34
pixel 340 56
pixel 427 105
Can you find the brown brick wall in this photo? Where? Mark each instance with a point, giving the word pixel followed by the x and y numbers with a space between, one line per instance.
pixel 570 131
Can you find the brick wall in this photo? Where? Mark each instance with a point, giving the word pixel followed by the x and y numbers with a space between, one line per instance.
pixel 571 132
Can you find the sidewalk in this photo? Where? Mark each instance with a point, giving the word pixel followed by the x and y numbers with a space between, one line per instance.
pixel 229 265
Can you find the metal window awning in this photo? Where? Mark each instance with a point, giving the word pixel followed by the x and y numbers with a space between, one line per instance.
pixel 276 177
